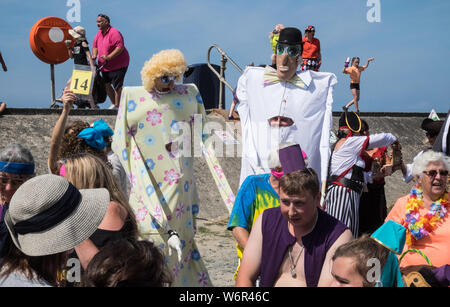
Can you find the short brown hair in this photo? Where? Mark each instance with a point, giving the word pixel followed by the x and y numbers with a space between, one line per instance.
pixel 362 250
pixel 128 263
pixel 300 181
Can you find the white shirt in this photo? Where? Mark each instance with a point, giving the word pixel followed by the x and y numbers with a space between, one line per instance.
pixel 408 176
pixel 349 153
pixel 309 108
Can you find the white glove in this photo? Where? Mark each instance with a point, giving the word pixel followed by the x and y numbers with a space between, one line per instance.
pixel 174 243
pixel 322 200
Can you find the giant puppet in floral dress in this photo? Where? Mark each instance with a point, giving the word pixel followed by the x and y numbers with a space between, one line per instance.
pixel 158 131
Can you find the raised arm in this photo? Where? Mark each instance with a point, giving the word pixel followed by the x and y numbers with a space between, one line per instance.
pixel 69 48
pixel 368 61
pixel 68 99
pixel 3 63
pixel 251 260
pixel 381 140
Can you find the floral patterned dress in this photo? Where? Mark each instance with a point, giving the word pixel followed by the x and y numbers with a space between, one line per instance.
pixel 153 138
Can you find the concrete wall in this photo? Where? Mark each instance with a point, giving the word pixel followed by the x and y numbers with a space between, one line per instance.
pixel 33 128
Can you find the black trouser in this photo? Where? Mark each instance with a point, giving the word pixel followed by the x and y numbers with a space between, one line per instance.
pixel 372 208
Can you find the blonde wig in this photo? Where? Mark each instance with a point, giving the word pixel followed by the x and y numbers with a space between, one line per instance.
pixel 86 171
pixel 169 62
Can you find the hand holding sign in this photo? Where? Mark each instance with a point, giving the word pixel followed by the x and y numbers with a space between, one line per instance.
pixel 81 80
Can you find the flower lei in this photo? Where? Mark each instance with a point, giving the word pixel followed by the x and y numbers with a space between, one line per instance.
pixel 418 226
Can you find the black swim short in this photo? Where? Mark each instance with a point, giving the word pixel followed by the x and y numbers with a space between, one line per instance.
pixel 115 77
pixel 354 86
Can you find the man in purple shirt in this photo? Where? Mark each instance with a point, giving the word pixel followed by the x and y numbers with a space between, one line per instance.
pixel 292 245
pixel 110 48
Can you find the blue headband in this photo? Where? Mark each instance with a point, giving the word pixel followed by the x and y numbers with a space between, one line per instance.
pixel 93 136
pixel 17 168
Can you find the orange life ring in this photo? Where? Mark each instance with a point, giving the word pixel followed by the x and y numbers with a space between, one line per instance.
pixel 47 38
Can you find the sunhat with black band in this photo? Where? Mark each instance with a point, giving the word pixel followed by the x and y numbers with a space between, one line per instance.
pixel 48 215
pixel 78 33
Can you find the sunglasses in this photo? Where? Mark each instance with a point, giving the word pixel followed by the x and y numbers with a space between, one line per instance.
pixel 15 182
pixel 167 79
pixel 291 50
pixel 433 173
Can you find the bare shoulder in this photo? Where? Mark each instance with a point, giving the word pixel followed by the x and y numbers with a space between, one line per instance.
pixel 114 218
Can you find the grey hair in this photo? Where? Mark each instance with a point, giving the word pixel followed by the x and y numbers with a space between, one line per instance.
pixel 16 153
pixel 421 162
pixel 274 158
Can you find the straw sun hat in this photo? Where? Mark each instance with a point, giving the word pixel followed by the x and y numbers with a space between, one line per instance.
pixel 78 32
pixel 48 215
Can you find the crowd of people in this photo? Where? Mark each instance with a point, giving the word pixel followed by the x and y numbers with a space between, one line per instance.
pixel 119 206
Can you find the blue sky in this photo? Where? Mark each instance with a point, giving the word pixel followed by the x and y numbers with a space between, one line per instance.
pixel 410 44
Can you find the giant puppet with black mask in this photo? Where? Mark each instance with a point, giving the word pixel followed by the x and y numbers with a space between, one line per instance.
pixel 284 105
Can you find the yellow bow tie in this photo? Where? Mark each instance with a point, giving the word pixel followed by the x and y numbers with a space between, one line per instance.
pixel 270 77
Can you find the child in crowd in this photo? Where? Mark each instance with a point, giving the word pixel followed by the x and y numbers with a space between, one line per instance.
pixel 355 75
pixel 350 262
pixel 81 137
pixel 274 35
pixel 370 261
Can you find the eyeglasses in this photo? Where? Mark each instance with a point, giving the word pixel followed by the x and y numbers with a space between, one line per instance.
pixel 15 182
pixel 167 79
pixel 291 50
pixel 433 173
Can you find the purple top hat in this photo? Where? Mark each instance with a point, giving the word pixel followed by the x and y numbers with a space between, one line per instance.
pixel 291 159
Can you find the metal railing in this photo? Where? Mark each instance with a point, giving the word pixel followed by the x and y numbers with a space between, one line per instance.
pixel 223 61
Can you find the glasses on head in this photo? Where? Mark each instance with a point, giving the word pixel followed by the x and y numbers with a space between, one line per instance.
pixel 291 50
pixel 15 182
pixel 167 79
pixel 433 173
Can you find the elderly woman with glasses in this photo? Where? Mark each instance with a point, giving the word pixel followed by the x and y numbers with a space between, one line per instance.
pixel 16 167
pixel 424 212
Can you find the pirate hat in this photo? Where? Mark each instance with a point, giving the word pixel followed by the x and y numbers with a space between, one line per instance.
pixel 351 121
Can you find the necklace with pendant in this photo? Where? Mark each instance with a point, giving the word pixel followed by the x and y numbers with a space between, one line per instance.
pixel 291 259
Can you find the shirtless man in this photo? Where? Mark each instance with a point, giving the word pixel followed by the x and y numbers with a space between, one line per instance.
pixel 292 245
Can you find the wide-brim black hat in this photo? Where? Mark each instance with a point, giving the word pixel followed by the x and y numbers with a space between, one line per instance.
pixel 350 120
pixel 432 126
pixel 442 142
pixel 290 36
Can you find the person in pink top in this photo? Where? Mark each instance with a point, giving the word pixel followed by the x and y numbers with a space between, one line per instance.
pixel 110 49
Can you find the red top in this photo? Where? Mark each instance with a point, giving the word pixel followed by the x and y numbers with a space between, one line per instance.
pixel 370 155
pixel 311 49
pixel 106 44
